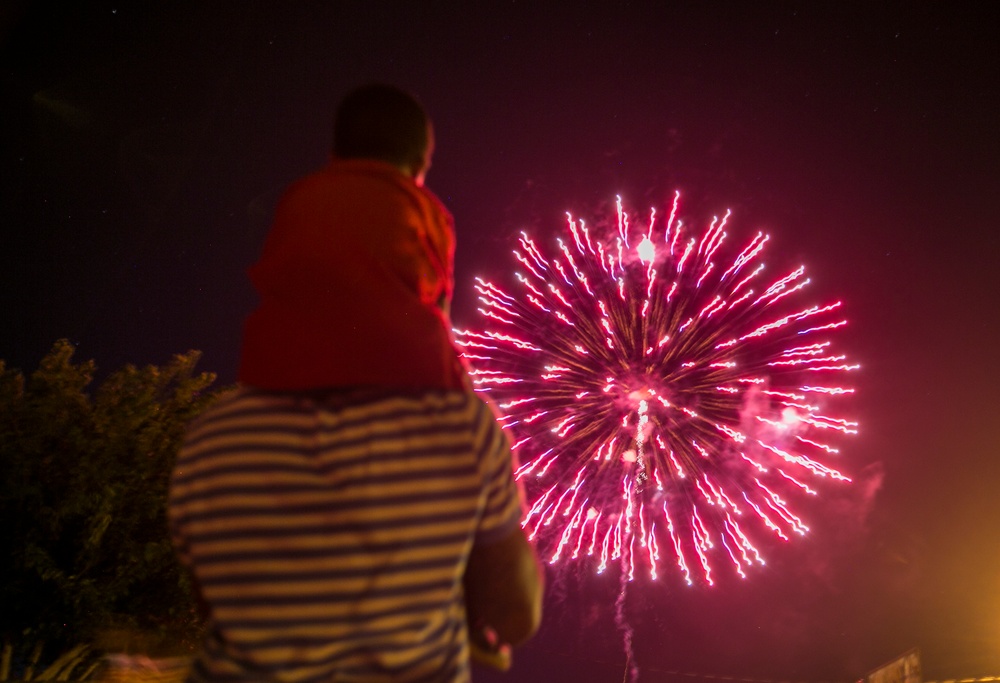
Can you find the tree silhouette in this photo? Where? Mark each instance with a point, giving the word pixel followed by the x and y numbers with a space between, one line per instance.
pixel 83 487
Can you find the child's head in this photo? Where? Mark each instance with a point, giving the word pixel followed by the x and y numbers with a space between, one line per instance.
pixel 383 122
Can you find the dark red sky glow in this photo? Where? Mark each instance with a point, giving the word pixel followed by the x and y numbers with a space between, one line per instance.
pixel 144 146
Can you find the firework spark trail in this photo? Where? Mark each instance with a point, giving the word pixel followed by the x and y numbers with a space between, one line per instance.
pixel 665 399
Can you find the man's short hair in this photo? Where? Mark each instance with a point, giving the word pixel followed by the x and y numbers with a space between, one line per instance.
pixel 381 122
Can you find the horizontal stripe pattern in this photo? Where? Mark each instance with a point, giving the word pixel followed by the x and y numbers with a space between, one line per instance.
pixel 329 533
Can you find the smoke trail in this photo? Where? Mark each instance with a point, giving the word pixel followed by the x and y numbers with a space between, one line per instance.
pixel 631 672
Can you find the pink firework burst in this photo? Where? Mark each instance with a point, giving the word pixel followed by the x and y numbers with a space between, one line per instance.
pixel 664 400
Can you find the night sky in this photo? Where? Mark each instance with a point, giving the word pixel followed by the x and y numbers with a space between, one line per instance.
pixel 144 145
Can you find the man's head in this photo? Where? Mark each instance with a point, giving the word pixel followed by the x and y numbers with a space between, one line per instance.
pixel 383 122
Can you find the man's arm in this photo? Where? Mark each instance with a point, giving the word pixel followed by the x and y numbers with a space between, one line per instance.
pixel 503 589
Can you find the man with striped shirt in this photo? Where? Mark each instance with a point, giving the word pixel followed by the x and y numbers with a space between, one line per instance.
pixel 353 524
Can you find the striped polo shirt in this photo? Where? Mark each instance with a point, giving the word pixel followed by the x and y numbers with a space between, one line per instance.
pixel 329 533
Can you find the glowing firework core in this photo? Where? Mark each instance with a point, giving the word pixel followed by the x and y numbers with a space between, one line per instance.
pixel 646 250
pixel 656 399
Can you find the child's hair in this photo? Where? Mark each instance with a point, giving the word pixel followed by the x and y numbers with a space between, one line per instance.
pixel 381 122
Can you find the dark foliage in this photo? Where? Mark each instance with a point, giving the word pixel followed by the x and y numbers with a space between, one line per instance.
pixel 83 486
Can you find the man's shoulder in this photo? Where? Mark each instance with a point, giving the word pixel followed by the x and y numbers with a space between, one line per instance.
pixel 245 398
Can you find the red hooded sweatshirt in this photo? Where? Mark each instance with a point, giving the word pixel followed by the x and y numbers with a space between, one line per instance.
pixel 353 281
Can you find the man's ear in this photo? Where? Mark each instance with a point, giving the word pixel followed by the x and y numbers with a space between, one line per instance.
pixel 418 170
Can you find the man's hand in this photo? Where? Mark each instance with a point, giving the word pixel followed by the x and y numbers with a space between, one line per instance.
pixel 486 649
